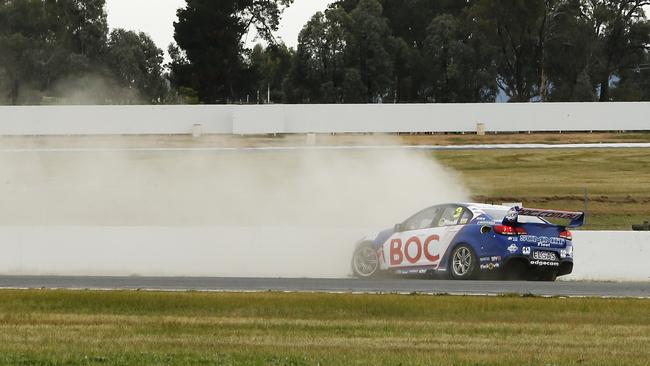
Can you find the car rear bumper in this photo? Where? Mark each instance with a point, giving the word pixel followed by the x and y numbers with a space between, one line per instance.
pixel 563 266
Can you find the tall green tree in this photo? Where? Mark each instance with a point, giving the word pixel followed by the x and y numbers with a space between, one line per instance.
pixel 136 64
pixel 408 21
pixel 623 34
pixel 518 29
pixel 318 67
pixel 23 32
pixel 460 66
pixel 568 55
pixel 634 83
pixel 44 41
pixel 371 50
pixel 345 57
pixel 211 35
pixel 81 25
pixel 270 66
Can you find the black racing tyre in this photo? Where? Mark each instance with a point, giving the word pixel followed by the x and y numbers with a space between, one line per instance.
pixel 463 263
pixel 545 276
pixel 516 270
pixel 365 262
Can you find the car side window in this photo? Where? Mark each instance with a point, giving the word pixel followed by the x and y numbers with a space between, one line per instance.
pixel 422 220
pixel 466 217
pixel 451 215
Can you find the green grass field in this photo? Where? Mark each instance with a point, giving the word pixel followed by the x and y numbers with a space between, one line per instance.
pixel 145 328
pixel 617 181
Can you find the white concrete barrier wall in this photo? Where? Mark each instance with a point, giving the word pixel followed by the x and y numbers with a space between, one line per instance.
pixel 114 120
pixel 252 252
pixel 361 118
pixel 611 256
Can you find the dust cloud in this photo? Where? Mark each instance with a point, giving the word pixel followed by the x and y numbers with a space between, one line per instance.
pixel 237 213
pixel 86 89
pixel 93 89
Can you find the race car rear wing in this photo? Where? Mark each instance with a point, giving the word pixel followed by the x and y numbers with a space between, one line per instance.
pixel 577 218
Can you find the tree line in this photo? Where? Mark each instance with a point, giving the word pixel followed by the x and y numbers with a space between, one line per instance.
pixel 406 51
pixel 61 51
pixel 355 51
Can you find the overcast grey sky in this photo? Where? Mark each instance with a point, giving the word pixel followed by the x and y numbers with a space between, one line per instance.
pixel 155 17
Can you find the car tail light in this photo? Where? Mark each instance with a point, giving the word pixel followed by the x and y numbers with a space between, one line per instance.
pixel 566 234
pixel 509 230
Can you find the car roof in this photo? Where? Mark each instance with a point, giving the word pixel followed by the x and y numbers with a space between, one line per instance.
pixel 476 206
pixel 485 206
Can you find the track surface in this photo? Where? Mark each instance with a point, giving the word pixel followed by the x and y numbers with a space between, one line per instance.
pixel 425 286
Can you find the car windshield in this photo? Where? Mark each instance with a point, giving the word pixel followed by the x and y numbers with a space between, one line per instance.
pixel 499 214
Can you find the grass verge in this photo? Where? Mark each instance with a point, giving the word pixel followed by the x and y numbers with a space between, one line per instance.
pixel 149 328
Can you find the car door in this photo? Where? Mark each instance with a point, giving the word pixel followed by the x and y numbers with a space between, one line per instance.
pixel 417 244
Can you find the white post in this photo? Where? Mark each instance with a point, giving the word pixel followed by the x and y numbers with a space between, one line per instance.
pixel 480 129
pixel 197 131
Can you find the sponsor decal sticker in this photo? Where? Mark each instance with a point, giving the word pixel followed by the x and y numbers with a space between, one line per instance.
pixel 490 266
pixel 562 253
pixel 542 241
pixel 410 271
pixel 550 213
pixel 545 263
pixel 546 256
pixel 485 222
pixel 525 250
pixel 513 248
pixel 413 250
pixel 495 259
pixel 485 259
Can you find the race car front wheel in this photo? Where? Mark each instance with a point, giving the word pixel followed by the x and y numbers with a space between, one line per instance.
pixel 365 262
pixel 463 263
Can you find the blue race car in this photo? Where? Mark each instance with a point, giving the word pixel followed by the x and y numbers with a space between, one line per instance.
pixel 466 241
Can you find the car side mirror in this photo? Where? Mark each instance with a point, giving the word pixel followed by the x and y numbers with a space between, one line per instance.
pixel 399 227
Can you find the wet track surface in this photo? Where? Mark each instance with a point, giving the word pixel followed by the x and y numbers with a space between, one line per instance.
pixel 424 286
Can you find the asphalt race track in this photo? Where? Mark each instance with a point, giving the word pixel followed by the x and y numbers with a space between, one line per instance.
pixel 402 286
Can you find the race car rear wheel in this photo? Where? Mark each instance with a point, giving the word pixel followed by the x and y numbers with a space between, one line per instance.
pixel 365 262
pixel 464 263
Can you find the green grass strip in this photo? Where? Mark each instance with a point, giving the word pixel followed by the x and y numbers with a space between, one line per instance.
pixel 156 328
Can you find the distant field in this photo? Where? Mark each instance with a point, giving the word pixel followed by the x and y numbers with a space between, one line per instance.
pixel 321 139
pixel 617 180
pixel 139 328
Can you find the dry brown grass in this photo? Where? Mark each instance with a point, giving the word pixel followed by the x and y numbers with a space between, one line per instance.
pixel 617 180
pixel 135 328
pixel 186 141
